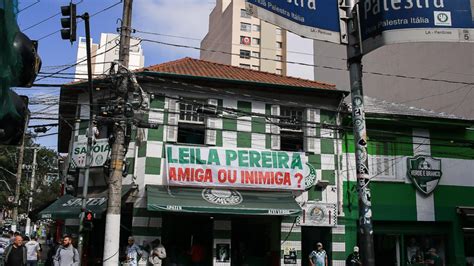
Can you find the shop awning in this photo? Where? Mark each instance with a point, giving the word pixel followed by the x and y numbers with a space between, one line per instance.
pixel 69 207
pixel 221 201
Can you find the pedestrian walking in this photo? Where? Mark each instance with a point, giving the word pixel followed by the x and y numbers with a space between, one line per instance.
pixel 318 257
pixel 53 248
pixel 133 252
pixel 15 254
pixel 157 253
pixel 354 258
pixel 67 254
pixel 33 250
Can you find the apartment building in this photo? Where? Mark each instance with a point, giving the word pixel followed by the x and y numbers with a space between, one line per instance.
pixel 104 53
pixel 238 39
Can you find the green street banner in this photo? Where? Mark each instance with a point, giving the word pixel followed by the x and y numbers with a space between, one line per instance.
pixel 238 168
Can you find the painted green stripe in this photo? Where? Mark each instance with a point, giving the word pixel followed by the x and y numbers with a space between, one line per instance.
pixel 219 140
pixel 315 160
pixel 393 201
pixel 244 106
pixel 268 141
pixel 268 109
pixel 244 140
pixel 327 117
pixel 229 124
pixel 142 150
pixel 222 234
pixel 131 165
pixel 83 125
pixel 338 238
pixel 441 145
pixel 329 175
pixel 155 134
pixel 291 236
pixel 258 125
pixel 146 231
pixel 153 166
pixel 158 102
pixel 327 146
pixel 315 193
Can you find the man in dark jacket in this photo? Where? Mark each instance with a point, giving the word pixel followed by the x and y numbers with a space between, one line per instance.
pixel 354 258
pixel 15 254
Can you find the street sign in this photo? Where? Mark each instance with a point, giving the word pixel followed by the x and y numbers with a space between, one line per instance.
pixel 385 22
pixel 318 20
pixel 100 153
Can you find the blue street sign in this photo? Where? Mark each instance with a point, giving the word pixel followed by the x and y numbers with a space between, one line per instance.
pixel 398 21
pixel 315 19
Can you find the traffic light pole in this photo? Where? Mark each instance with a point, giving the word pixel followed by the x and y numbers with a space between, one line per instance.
pixel 90 132
pixel 114 203
pixel 18 178
pixel 32 187
pixel 354 54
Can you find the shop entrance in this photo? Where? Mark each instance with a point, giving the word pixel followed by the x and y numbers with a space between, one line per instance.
pixel 255 241
pixel 312 235
pixel 187 239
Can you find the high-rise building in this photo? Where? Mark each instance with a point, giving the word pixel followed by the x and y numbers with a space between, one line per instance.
pixel 106 52
pixel 238 39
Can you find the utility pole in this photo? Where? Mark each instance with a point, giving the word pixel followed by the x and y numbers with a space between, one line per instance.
pixel 18 177
pixel 32 187
pixel 90 134
pixel 114 204
pixel 354 55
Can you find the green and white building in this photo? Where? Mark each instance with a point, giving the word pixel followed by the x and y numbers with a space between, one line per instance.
pixel 422 184
pixel 257 168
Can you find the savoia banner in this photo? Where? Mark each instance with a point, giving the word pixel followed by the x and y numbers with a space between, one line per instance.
pixel 238 168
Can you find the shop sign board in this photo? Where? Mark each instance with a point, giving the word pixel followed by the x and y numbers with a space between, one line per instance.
pixel 385 22
pixel 314 19
pixel 424 172
pixel 238 168
pixel 318 214
pixel 100 152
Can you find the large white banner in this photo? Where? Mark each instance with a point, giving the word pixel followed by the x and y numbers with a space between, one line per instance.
pixel 238 168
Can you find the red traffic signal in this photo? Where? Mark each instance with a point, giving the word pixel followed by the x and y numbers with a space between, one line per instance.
pixel 89 216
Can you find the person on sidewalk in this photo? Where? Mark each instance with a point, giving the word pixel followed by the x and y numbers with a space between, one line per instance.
pixel 67 254
pixel 133 251
pixel 33 250
pixel 354 258
pixel 157 254
pixel 15 254
pixel 318 257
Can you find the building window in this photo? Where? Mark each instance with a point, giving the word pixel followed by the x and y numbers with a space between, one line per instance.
pixel 245 54
pixel 244 13
pixel 254 67
pixel 291 118
pixel 279 45
pixel 245 40
pixel 278 31
pixel 255 54
pixel 245 66
pixel 383 162
pixel 255 41
pixel 278 71
pixel 245 26
pixel 279 57
pixel 256 27
pixel 191 128
pixel 188 111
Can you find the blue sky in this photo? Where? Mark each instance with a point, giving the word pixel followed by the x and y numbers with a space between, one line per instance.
pixel 185 18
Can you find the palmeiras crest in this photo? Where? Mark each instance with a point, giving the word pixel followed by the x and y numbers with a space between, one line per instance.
pixel 424 172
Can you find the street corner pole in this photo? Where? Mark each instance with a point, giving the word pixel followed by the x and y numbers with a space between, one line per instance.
pixel 90 133
pixel 354 55
pixel 18 177
pixel 32 187
pixel 114 203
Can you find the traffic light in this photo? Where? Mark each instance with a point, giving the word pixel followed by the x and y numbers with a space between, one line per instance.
pixel 68 23
pixel 88 221
pixel 30 60
pixel 12 123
